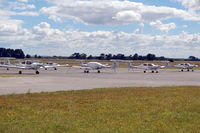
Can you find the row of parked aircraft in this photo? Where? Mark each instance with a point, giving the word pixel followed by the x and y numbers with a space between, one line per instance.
pixel 34 65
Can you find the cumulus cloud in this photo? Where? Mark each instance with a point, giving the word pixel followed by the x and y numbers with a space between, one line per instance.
pixel 112 12
pixel 66 42
pixel 23 0
pixel 158 25
pixel 190 4
pixel 21 6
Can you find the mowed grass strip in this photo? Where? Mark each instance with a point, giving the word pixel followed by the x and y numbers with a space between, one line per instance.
pixel 118 110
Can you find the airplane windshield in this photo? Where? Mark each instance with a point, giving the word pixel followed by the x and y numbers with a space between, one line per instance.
pixel 28 62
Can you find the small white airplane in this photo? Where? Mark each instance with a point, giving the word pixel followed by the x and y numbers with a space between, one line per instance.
pixel 53 65
pixel 25 65
pixel 29 65
pixel 96 66
pixel 146 66
pixel 182 66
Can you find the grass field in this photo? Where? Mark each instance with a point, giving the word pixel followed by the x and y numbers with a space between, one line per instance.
pixel 117 110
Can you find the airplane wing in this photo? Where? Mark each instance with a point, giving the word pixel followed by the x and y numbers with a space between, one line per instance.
pixel 162 66
pixel 80 67
pixel 8 66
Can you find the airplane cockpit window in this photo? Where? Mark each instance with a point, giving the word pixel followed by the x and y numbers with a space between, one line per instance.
pixel 28 62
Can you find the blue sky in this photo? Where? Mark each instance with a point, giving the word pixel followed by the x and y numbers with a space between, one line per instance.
pixel 61 27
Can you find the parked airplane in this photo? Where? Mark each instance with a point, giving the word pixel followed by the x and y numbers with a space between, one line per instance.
pixel 145 66
pixel 53 65
pixel 182 66
pixel 25 65
pixel 96 66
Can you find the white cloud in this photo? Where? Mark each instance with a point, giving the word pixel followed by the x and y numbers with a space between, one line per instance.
pixel 190 4
pixel 112 12
pixel 50 41
pixel 23 0
pixel 21 6
pixel 158 25
pixel 127 16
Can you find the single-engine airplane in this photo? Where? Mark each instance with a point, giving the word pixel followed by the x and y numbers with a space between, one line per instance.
pixel 146 66
pixel 182 66
pixel 53 65
pixel 96 66
pixel 25 65
pixel 29 65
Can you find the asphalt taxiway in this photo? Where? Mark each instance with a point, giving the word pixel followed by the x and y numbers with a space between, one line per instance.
pixel 74 79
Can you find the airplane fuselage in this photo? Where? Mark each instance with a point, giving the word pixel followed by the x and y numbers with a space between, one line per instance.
pixel 94 65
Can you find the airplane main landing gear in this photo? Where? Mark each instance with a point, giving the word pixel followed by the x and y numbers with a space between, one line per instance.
pixel 7 68
pixel 45 68
pixel 37 72
pixel 188 70
pixel 98 71
pixel 20 72
pixel 156 71
pixel 55 68
pixel 144 71
pixel 192 70
pixel 86 71
pixel 152 71
pixel 181 70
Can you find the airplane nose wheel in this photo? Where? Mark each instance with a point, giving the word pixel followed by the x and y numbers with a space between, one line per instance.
pixel 152 71
pixel 55 68
pixel 144 71
pixel 181 70
pixel 156 71
pixel 20 72
pixel 37 72
pixel 192 70
pixel 98 71
pixel 188 70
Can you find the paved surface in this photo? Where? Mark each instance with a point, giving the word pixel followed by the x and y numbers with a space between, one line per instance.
pixel 75 79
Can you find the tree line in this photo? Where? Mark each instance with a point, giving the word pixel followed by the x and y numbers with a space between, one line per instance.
pixel 14 53
pixel 18 53
pixel 135 56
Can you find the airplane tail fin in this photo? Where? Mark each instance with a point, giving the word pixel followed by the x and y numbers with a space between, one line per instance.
pixel 129 65
pixel 81 63
pixel 167 64
pixel 115 65
pixel 19 62
pixel 6 62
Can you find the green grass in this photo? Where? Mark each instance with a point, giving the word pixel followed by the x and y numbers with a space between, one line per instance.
pixel 118 110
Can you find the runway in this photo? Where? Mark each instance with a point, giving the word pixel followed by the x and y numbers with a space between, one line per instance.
pixel 74 79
